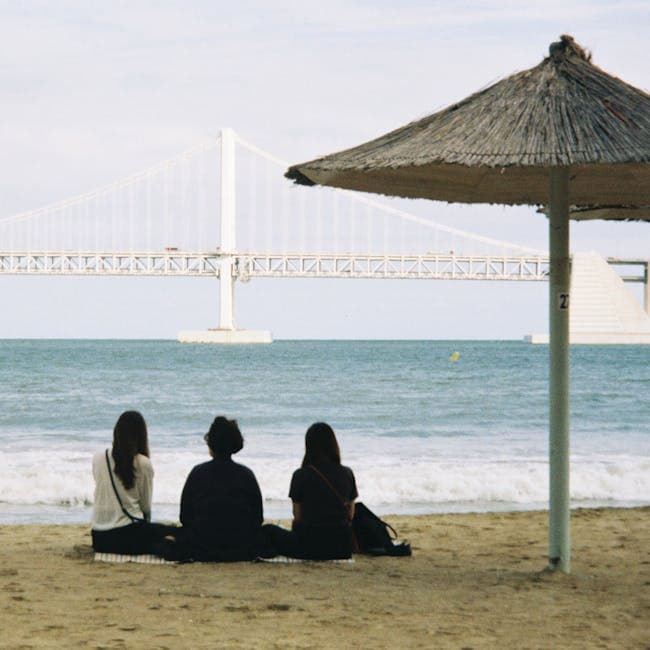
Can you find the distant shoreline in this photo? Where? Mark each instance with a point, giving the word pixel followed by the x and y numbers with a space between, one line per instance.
pixel 276 340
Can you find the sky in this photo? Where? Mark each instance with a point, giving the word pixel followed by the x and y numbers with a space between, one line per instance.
pixel 93 91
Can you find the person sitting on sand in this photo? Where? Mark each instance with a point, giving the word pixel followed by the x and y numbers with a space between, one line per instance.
pixel 121 517
pixel 323 493
pixel 221 503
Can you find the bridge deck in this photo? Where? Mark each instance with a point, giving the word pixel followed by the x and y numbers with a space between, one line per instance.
pixel 284 265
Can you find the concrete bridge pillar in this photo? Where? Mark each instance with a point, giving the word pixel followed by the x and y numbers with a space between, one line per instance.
pixel 226 332
pixel 646 288
pixel 226 279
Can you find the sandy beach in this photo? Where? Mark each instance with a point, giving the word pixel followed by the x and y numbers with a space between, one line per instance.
pixel 474 581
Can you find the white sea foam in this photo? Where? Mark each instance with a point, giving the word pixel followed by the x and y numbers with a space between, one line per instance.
pixel 400 483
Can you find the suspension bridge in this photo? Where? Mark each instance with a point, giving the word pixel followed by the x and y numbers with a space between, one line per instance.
pixel 223 209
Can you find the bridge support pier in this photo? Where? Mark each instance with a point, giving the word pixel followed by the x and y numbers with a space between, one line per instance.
pixel 228 212
pixel 226 332
pixel 225 336
pixel 226 296
pixel 646 288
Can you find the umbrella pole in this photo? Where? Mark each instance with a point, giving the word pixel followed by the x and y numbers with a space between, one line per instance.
pixel 559 552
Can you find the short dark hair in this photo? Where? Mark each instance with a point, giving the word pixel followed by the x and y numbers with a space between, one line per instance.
pixel 129 439
pixel 224 437
pixel 321 445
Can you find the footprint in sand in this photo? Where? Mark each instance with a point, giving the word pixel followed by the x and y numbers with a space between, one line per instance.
pixel 278 607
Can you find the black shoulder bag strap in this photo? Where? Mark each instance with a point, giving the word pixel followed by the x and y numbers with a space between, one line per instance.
pixel 124 510
pixel 342 501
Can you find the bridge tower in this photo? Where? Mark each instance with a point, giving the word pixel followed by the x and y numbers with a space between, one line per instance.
pixel 228 213
pixel 227 332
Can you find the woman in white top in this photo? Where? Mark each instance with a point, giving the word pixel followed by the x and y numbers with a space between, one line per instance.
pixel 121 519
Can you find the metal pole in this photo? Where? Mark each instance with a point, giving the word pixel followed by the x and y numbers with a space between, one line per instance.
pixel 559 551
pixel 226 279
pixel 646 288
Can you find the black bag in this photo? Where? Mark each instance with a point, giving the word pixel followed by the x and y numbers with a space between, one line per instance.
pixel 374 536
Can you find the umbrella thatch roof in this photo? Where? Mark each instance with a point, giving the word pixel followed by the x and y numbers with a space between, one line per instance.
pixel 611 212
pixel 499 144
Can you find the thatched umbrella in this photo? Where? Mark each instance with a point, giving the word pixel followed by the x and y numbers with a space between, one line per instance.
pixel 562 133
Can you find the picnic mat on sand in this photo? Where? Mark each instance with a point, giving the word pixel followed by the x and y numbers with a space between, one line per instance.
pixel 154 559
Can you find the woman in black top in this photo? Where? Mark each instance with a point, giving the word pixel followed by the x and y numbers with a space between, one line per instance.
pixel 323 493
pixel 221 504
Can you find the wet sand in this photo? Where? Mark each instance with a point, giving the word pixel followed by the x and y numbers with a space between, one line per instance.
pixel 474 581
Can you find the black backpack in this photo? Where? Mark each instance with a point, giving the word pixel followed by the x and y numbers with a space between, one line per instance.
pixel 374 536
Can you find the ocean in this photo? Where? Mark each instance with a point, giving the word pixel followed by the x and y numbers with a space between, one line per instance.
pixel 423 432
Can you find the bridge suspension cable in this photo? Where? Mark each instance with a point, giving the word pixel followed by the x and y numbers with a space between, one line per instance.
pixel 175 206
pixel 361 199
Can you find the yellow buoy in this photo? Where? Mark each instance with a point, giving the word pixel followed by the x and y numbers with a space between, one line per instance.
pixel 454 356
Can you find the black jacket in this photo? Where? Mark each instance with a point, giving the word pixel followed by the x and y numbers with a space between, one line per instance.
pixel 221 511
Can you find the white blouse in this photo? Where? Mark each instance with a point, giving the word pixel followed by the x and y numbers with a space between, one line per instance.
pixel 107 513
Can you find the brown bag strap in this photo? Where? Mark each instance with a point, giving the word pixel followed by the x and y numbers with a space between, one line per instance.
pixel 345 503
pixel 117 494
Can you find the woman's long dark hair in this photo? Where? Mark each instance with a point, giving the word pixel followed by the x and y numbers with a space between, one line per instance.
pixel 129 439
pixel 321 445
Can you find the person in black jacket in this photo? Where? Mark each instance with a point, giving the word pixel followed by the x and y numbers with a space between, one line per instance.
pixel 221 504
pixel 322 492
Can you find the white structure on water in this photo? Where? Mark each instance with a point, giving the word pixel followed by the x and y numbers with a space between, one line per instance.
pixel 603 309
pixel 226 332
pixel 223 210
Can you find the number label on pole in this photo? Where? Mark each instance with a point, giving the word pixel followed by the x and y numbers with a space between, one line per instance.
pixel 563 300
